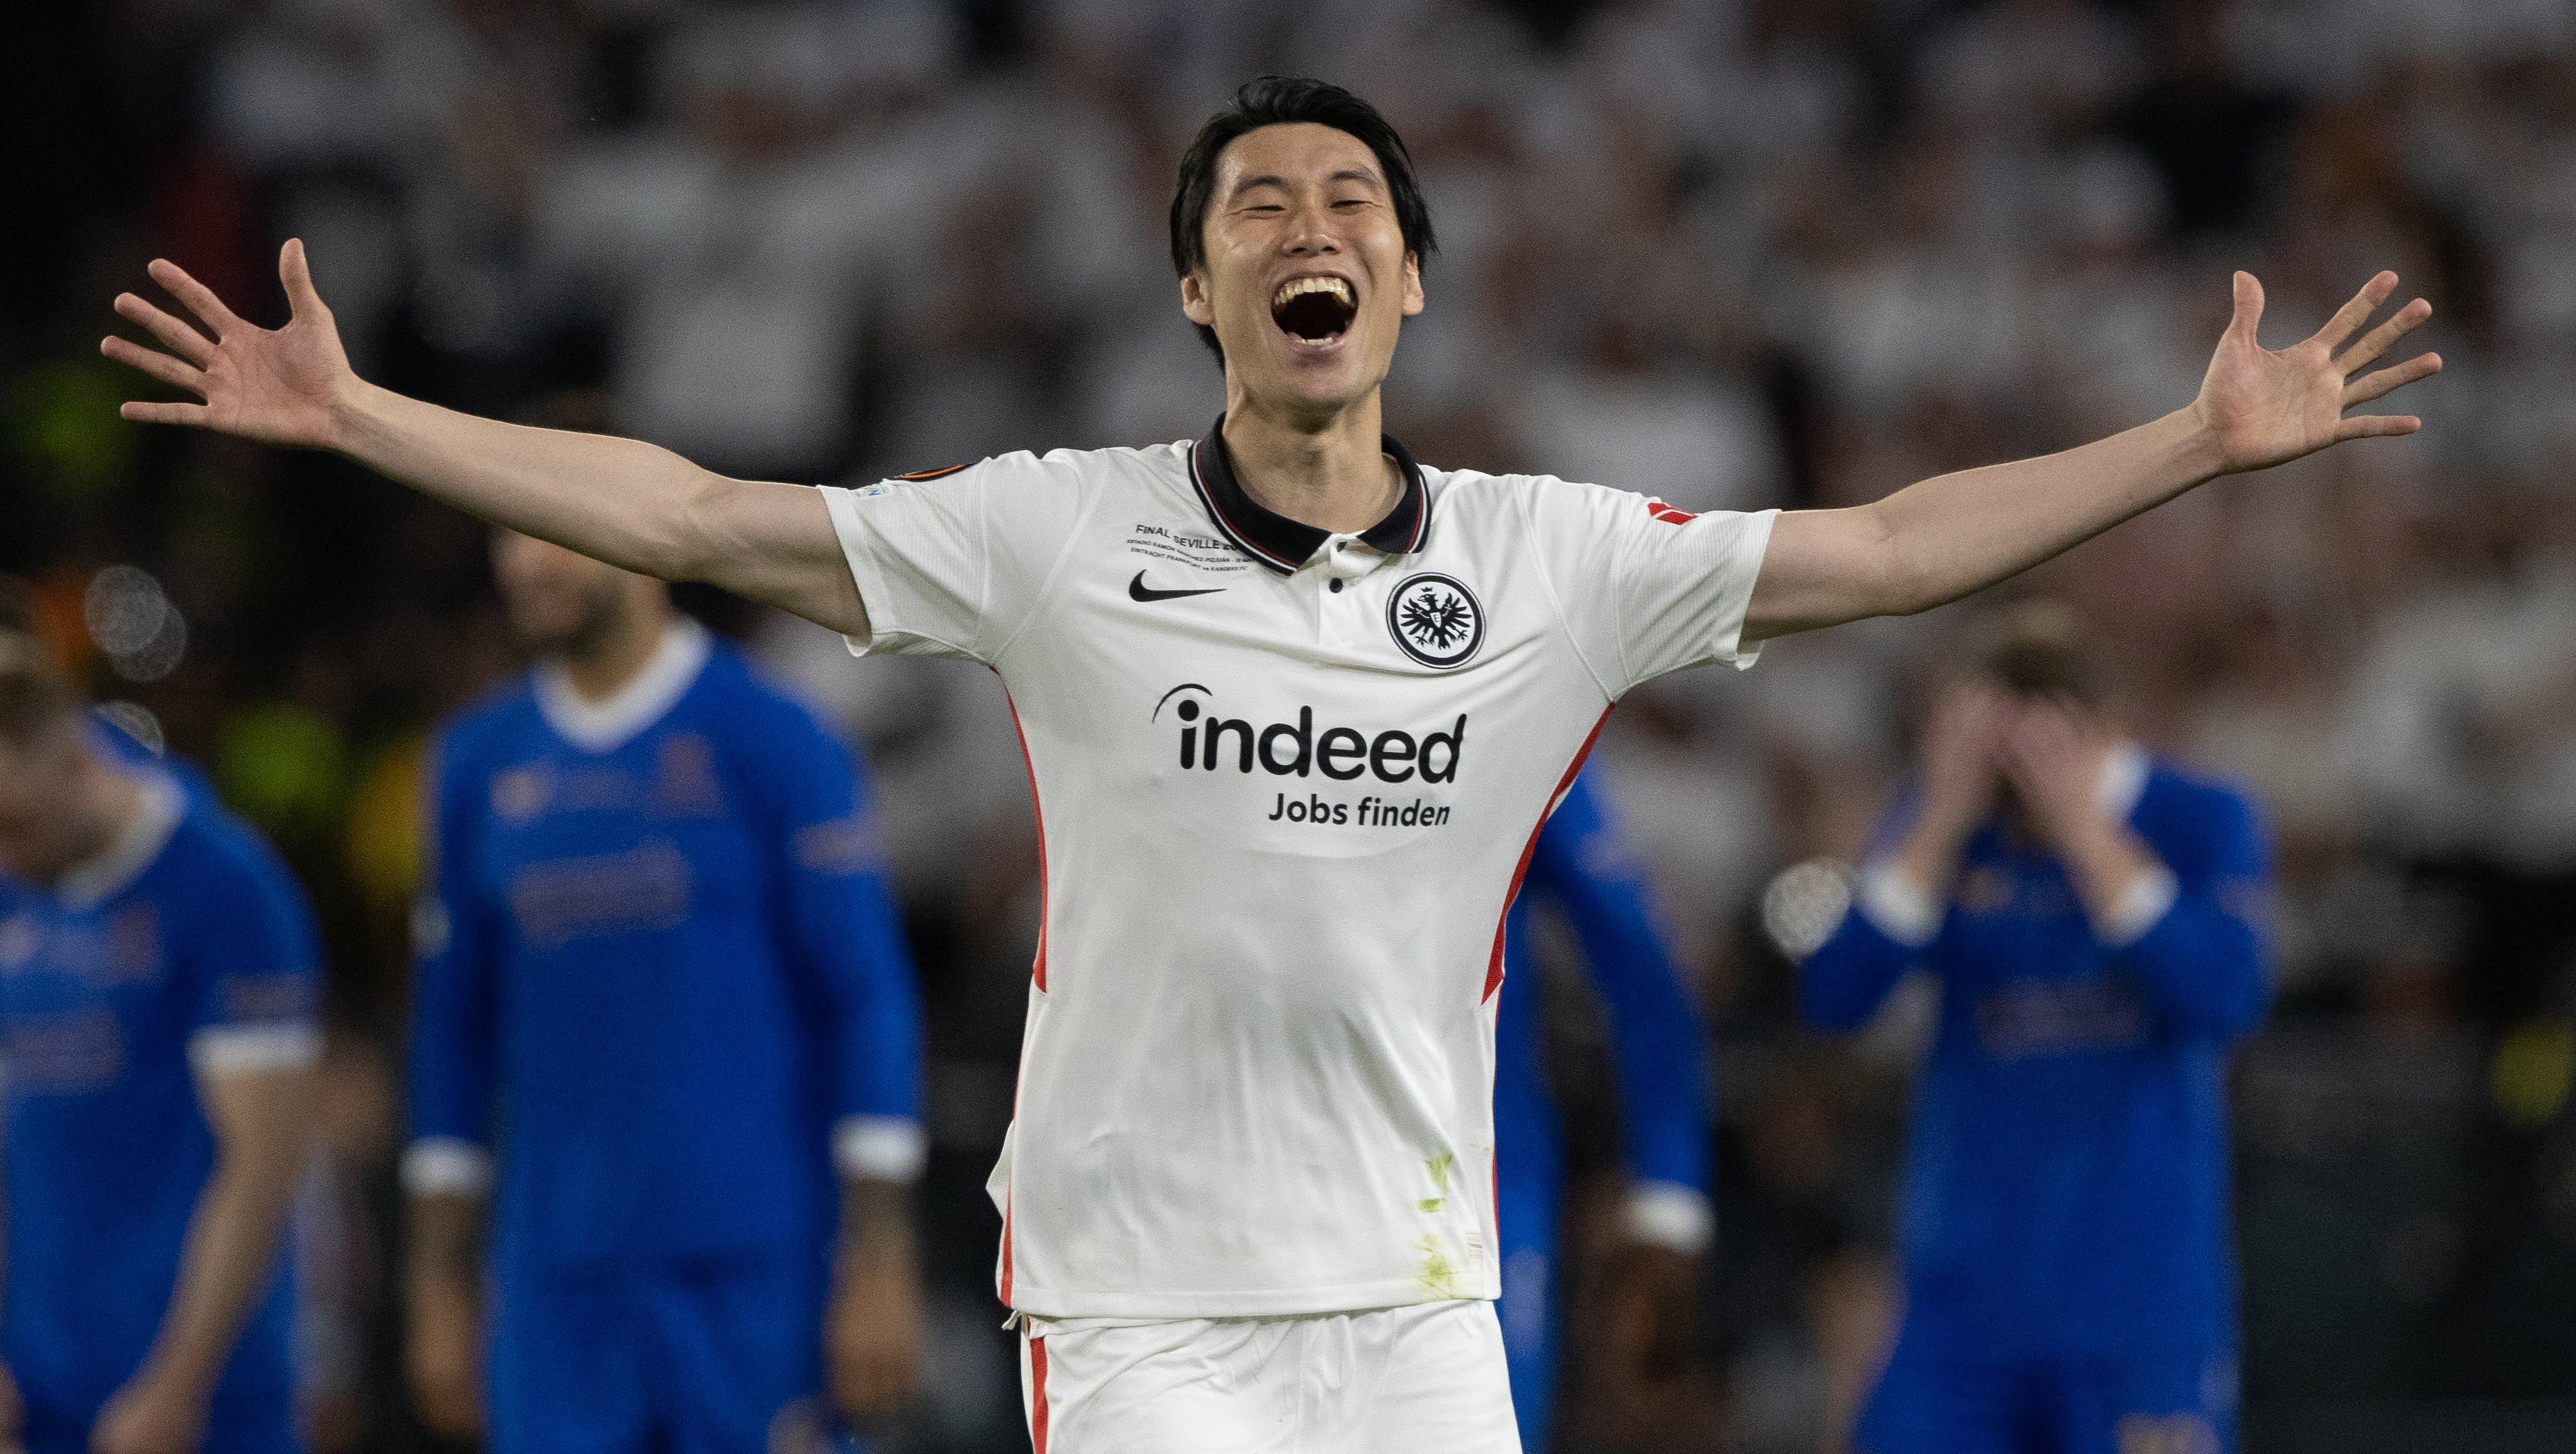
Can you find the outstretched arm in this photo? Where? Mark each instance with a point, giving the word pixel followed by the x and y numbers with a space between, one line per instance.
pixel 631 504
pixel 1943 538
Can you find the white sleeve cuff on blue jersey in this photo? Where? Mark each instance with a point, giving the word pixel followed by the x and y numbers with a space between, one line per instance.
pixel 2141 906
pixel 1897 906
pixel 880 1148
pixel 1669 1214
pixel 218 1049
pixel 446 1166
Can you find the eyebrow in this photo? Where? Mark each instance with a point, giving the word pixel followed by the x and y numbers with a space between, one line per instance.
pixel 1273 179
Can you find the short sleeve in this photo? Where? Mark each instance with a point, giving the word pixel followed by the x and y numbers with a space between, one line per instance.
pixel 255 975
pixel 1645 588
pixel 953 564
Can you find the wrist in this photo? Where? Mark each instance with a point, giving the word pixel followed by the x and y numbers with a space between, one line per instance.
pixel 354 415
pixel 2196 443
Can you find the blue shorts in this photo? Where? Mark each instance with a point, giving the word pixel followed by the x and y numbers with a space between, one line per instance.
pixel 702 1358
pixel 1939 1396
pixel 236 1423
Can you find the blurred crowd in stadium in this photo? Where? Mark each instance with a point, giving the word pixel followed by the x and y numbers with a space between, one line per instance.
pixel 1836 245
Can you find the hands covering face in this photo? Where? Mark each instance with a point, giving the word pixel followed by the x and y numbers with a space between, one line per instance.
pixel 2050 752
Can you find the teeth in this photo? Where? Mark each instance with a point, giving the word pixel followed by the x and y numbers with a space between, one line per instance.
pixel 1298 287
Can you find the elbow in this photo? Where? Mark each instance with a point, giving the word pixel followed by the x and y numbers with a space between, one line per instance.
pixel 2248 997
pixel 689 534
pixel 692 537
pixel 1905 585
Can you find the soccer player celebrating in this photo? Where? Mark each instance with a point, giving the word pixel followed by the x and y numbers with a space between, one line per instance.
pixel 661 976
pixel 158 970
pixel 2092 917
pixel 1295 707
pixel 1583 870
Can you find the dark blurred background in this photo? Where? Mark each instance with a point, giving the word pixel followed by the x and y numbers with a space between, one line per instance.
pixel 1791 252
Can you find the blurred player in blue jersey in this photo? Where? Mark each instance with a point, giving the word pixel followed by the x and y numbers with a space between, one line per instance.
pixel 2093 917
pixel 665 1018
pixel 1582 869
pixel 158 977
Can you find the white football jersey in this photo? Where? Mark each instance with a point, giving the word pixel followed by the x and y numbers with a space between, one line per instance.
pixel 1286 782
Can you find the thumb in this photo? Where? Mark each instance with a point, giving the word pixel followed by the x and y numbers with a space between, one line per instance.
pixel 2249 307
pixel 297 273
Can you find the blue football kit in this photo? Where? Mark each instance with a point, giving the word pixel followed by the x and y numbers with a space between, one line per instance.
pixel 2069 1262
pixel 185 949
pixel 1582 869
pixel 663 1003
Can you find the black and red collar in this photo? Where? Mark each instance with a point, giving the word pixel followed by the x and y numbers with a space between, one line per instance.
pixel 1284 544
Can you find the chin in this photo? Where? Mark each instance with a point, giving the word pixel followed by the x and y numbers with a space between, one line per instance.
pixel 1309 379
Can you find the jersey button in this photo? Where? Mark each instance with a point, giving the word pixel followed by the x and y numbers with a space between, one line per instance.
pixel 1337 585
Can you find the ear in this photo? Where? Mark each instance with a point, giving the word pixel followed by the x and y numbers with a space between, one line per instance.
pixel 1412 284
pixel 1194 300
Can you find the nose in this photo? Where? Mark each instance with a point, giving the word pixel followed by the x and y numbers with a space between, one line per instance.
pixel 1309 232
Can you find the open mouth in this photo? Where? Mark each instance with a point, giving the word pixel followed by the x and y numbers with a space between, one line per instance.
pixel 1314 309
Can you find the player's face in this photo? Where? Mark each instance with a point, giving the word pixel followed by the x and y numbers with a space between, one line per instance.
pixel 1307 280
pixel 557 600
pixel 40 834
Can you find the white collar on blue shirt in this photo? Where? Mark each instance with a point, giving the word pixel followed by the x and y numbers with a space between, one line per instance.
pixel 101 876
pixel 611 724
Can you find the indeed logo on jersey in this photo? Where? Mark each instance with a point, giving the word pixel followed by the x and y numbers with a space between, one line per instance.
pixel 1210 741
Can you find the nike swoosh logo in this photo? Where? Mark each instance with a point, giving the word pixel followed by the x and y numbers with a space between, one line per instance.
pixel 1137 590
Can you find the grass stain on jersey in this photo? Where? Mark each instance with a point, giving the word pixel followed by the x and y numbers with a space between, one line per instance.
pixel 1439 1166
pixel 1439 1275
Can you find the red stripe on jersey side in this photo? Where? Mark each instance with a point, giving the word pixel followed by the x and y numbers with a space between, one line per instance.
pixel 917 476
pixel 1037 1396
pixel 1494 966
pixel 1038 806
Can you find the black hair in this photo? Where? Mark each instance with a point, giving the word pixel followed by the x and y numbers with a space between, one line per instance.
pixel 1277 101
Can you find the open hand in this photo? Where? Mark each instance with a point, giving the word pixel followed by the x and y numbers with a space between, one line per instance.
pixel 2055 762
pixel 278 386
pixel 2264 408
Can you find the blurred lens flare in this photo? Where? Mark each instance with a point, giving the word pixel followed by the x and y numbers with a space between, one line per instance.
pixel 158 657
pixel 1802 906
pixel 123 608
pixel 133 621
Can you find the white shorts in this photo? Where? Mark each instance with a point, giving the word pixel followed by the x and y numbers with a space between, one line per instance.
pixel 1426 1379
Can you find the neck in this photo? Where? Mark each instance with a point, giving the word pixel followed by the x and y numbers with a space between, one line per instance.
pixel 103 803
pixel 1325 470
pixel 600 668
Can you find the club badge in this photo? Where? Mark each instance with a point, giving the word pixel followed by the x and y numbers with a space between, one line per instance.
pixel 1436 620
